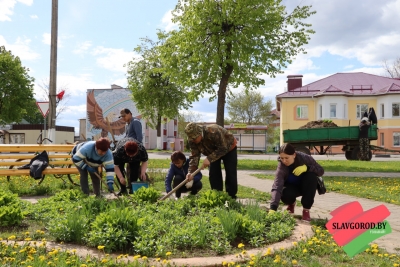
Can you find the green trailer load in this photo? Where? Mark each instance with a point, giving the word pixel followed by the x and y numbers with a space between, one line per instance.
pixel 321 139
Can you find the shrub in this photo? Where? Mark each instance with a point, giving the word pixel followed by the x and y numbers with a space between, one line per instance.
pixel 115 229
pixel 10 209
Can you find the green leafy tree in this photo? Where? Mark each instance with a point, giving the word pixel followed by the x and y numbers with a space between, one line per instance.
pixel 16 88
pixel 249 107
pixel 227 43
pixel 156 97
pixel 34 116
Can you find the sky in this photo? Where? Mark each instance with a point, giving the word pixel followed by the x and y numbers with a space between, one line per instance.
pixel 97 37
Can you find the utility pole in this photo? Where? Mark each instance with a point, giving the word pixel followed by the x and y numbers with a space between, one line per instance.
pixel 53 72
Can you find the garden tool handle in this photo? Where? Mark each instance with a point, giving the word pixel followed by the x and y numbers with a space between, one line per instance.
pixel 179 185
pixel 101 180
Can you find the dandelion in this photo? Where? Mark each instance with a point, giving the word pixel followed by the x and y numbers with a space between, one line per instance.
pixel 136 257
pixel 144 258
pixel 224 263
pixel 294 243
pixel 305 250
pixel 241 245
pixel 100 247
pixel 294 262
pixel 251 263
pixel 168 253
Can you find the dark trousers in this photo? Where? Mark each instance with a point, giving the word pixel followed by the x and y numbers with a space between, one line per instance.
pixel 193 190
pixel 230 164
pixel 85 182
pixel 306 189
pixel 364 148
pixel 134 171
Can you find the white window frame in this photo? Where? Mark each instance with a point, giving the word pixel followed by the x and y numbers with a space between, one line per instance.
pixel 320 111
pixel 330 110
pixel 396 139
pixel 382 111
pixel 302 112
pixel 344 111
pixel 17 138
pixel 360 109
pixel 393 110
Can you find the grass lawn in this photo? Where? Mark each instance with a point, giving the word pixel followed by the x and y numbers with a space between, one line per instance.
pixel 328 165
pixel 376 188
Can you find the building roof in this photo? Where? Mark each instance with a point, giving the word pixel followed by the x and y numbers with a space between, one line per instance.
pixel 349 84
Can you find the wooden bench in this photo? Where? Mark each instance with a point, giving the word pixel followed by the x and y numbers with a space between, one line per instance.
pixel 13 156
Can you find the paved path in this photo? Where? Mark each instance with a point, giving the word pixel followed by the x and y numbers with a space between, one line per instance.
pixel 328 202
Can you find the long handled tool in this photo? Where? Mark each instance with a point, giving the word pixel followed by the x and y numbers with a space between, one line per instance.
pixel 104 184
pixel 179 185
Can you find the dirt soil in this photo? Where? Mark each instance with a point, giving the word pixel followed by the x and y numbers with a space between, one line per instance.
pixel 319 124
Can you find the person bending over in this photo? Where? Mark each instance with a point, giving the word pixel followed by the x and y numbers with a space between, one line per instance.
pixel 88 157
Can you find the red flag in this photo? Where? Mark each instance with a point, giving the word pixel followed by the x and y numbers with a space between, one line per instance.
pixel 60 94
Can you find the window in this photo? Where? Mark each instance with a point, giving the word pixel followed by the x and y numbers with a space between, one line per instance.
pixel 361 108
pixel 344 111
pixel 382 110
pixel 382 138
pixel 302 112
pixel 17 138
pixel 320 111
pixel 395 110
pixel 396 139
pixel 332 110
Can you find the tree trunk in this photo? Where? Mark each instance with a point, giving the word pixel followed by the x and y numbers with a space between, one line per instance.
pixel 223 84
pixel 159 140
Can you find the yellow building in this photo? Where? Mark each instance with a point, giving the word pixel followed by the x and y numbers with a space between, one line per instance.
pixel 343 98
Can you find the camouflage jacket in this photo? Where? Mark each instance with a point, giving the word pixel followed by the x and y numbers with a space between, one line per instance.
pixel 120 155
pixel 216 142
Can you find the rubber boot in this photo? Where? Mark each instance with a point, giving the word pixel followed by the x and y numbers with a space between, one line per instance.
pixel 290 208
pixel 306 215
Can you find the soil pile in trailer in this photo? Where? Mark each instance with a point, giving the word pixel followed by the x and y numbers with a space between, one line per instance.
pixel 319 124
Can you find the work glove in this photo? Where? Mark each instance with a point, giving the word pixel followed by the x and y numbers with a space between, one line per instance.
pixel 189 184
pixel 110 187
pixel 299 170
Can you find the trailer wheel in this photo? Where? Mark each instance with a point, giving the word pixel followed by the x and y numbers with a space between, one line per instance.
pixel 303 149
pixel 355 154
pixel 349 155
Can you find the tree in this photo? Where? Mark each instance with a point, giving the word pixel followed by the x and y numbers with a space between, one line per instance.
pixel 61 104
pixel 16 88
pixel 34 116
pixel 393 70
pixel 227 43
pixel 155 96
pixel 249 107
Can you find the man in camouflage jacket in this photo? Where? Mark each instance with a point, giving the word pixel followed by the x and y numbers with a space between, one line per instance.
pixel 217 144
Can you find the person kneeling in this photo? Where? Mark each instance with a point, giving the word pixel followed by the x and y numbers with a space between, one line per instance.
pixel 177 174
pixel 296 175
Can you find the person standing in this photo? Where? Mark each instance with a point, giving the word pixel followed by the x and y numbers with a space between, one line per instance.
pixel 363 138
pixel 129 150
pixel 217 144
pixel 133 126
pixel 177 173
pixel 88 157
pixel 296 175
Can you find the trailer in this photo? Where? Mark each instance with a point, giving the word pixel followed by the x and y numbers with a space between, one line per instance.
pixel 322 139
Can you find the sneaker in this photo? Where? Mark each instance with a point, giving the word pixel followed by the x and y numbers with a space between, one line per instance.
pixel 306 216
pixel 290 208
